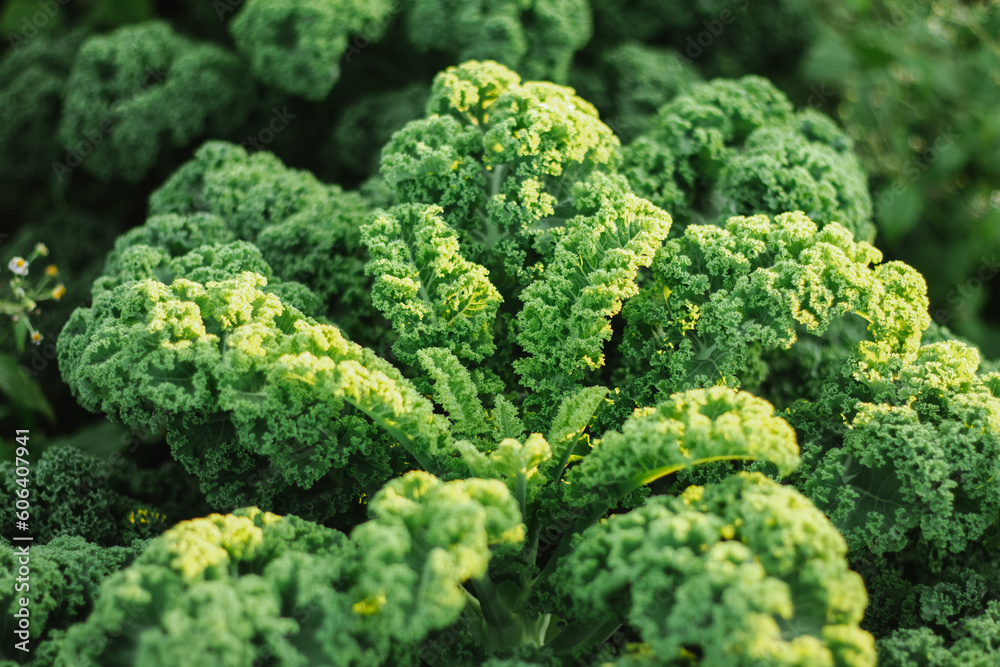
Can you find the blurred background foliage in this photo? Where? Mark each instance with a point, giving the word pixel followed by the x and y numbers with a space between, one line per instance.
pixel 917 85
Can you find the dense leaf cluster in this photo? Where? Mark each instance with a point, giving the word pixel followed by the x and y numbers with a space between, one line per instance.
pixel 610 374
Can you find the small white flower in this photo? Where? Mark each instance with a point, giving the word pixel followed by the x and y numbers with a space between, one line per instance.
pixel 18 265
pixel 36 337
pixel 19 292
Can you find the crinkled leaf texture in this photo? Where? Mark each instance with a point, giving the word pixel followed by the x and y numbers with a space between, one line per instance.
pixel 919 455
pixel 307 231
pixel 143 89
pixel 500 157
pixel 976 645
pixel 63 582
pixel 721 295
pixel 566 318
pixel 744 572
pixel 735 147
pixel 297 46
pixel 257 399
pixel 535 37
pixel 433 296
pixel 691 428
pixel 280 588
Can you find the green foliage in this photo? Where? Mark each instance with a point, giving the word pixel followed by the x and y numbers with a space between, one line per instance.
pixel 144 89
pixel 296 47
pixel 307 231
pixel 232 366
pixel 432 295
pixel 565 321
pixel 76 494
pixel 718 296
pixel 727 148
pixel 218 357
pixel 499 157
pixel 808 166
pixel 366 126
pixel 902 450
pixel 454 390
pixel 454 527
pixel 535 37
pixel 32 83
pixel 62 586
pixel 914 85
pixel 688 429
pixel 502 361
pixel 744 572
pixel 22 392
pixel 975 647
pixel 285 589
pixel 191 574
pixel 920 452
pixel 630 82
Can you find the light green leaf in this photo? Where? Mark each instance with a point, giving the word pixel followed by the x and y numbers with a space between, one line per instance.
pixel 433 296
pixel 454 390
pixel 688 429
pixel 515 463
pixel 506 422
pixel 575 413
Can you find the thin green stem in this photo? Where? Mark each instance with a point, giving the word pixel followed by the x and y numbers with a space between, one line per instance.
pixel 649 476
pixel 521 493
pixel 597 510
pixel 504 628
pixel 584 634
pixel 564 459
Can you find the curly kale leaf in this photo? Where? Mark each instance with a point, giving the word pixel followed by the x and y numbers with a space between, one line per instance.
pixel 566 319
pixel 537 37
pixel 575 415
pixel 976 645
pixel 895 474
pixel 307 231
pixel 62 584
pixel 719 296
pixel 689 429
pixel 257 399
pixel 296 47
pixel 75 494
pixel 268 586
pixel 32 87
pixel 693 135
pixel 630 82
pixel 499 156
pixel 284 589
pixel 450 529
pixel 433 296
pixel 919 454
pixel 454 390
pixel 743 572
pixel 726 148
pixel 808 165
pixel 143 88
